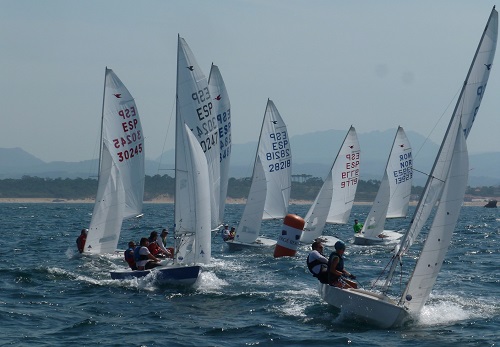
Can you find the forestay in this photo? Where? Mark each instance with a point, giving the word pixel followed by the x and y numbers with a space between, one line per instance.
pixel 334 201
pixel 121 170
pixel 271 179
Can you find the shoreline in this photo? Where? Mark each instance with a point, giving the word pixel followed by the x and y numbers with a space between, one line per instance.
pixel 229 201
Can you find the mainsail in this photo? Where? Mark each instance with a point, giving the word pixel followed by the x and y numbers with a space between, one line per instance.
pixel 222 110
pixel 194 109
pixel 271 179
pixel 334 201
pixel 121 170
pixel 393 196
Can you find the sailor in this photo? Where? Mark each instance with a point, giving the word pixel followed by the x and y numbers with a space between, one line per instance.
pixel 357 226
pixel 80 241
pixel 130 255
pixel 225 232
pixel 336 272
pixel 317 262
pixel 143 258
pixel 156 246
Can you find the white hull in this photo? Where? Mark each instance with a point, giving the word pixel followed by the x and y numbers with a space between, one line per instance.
pixel 260 243
pixel 373 308
pixel 390 236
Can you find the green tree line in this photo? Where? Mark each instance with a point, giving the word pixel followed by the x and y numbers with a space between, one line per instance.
pixel 164 186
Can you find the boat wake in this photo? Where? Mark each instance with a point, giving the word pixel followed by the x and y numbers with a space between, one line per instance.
pixel 446 309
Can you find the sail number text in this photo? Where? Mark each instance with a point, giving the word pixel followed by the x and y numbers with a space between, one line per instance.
pixel 224 122
pixel 130 142
pixel 207 130
pixel 405 172
pixel 280 151
pixel 350 174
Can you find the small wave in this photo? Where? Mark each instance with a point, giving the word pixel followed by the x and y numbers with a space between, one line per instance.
pixel 445 309
pixel 209 282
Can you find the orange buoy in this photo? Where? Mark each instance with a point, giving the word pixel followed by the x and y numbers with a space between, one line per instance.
pixel 288 241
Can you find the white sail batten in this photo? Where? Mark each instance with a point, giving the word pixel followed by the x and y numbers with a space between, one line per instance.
pixel 121 171
pixel 271 179
pixel 438 240
pixel 195 109
pixel 336 195
pixel 222 109
pixel 393 196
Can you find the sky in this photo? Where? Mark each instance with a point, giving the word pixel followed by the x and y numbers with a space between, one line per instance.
pixel 326 64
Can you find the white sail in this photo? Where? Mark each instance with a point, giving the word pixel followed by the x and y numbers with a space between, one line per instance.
pixel 466 109
pixel 334 201
pixel 121 170
pixel 195 246
pixel 222 107
pixel 446 183
pixel 393 196
pixel 438 240
pixel 195 109
pixel 271 179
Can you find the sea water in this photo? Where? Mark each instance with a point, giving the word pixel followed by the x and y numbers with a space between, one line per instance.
pixel 50 295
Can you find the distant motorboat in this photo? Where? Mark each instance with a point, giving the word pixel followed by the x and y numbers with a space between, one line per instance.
pixel 491 204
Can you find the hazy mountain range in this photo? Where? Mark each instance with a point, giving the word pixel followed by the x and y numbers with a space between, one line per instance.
pixel 313 154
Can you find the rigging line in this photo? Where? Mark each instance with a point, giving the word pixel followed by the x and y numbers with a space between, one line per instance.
pixel 439 120
pixel 382 272
pixel 426 174
pixel 166 136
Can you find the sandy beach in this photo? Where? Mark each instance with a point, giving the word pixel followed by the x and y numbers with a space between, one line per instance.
pixel 163 200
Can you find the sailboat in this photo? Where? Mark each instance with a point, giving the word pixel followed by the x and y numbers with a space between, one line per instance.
pixel 222 110
pixel 393 196
pixel 446 184
pixel 334 201
pixel 121 167
pixel 271 182
pixel 196 145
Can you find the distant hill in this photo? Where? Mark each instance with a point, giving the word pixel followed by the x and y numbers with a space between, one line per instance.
pixel 313 154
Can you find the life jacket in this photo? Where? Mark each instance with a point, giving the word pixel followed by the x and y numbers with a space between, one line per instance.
pixel 154 248
pixel 137 256
pixel 312 264
pixel 130 257
pixel 339 267
pixel 80 242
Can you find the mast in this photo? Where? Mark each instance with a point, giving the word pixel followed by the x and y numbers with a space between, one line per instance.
pixel 176 239
pixel 102 124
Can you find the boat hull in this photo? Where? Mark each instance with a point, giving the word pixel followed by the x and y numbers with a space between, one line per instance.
pixel 373 308
pixel 390 237
pixel 172 274
pixel 260 243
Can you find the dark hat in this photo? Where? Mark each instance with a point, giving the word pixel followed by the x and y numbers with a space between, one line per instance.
pixel 339 245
